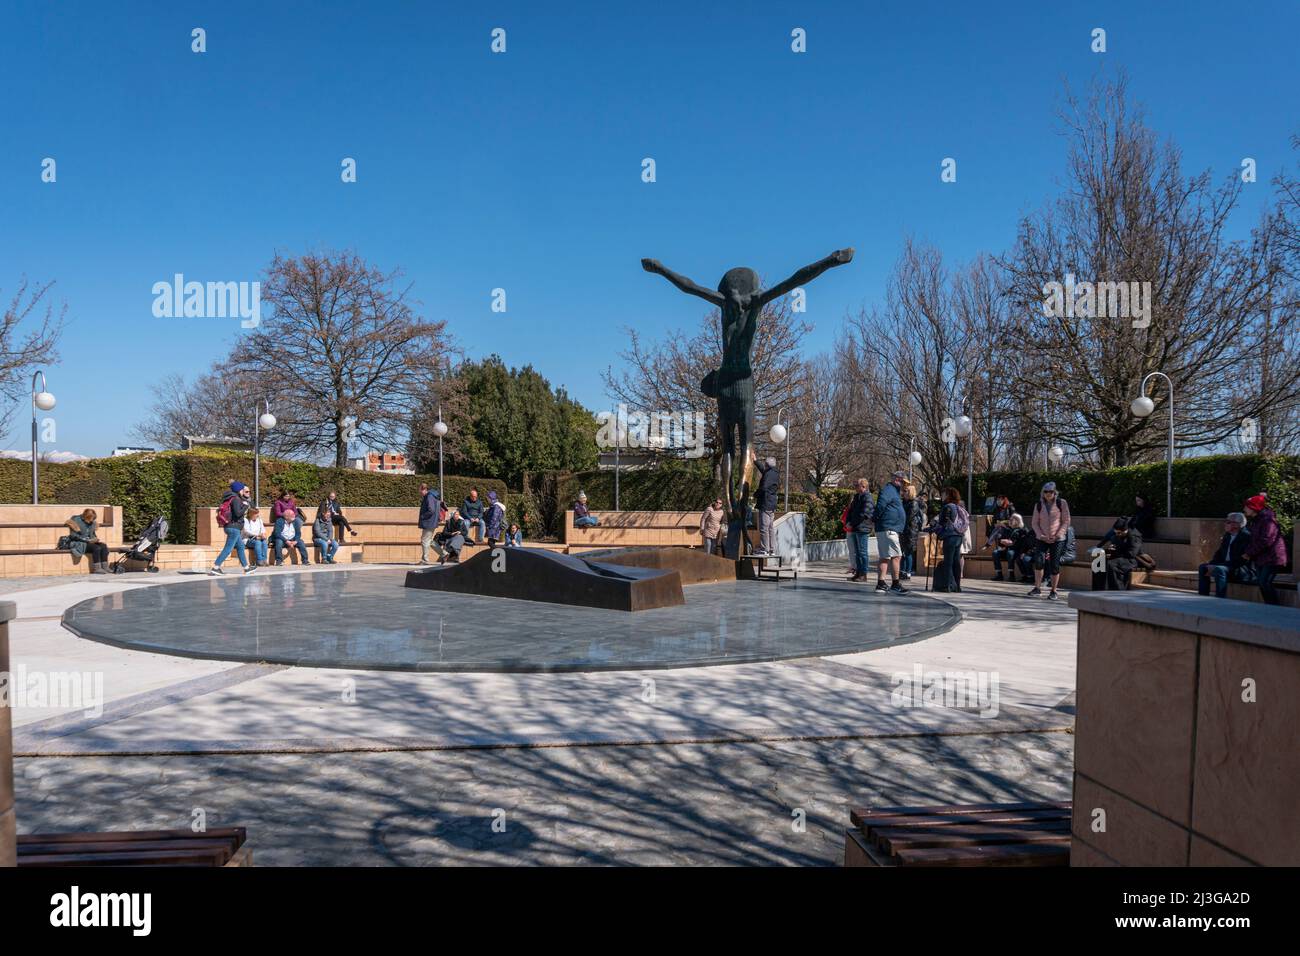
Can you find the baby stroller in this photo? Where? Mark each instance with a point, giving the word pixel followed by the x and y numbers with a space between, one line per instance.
pixel 141 555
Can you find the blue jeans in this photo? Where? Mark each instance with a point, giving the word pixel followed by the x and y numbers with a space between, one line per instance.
pixel 1212 572
pixel 327 549
pixel 258 546
pixel 515 540
pixel 235 543
pixel 478 525
pixel 859 549
pixel 586 521
pixel 1003 554
pixel 296 543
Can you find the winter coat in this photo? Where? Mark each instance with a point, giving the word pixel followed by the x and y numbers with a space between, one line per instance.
pixel 860 509
pixel 580 510
pixel 430 510
pixel 1050 524
pixel 1267 547
pixel 76 541
pixel 765 496
pixel 496 520
pixel 889 514
pixel 1144 520
pixel 281 505
pixel 711 523
pixel 322 529
pixel 1232 556
pixel 471 509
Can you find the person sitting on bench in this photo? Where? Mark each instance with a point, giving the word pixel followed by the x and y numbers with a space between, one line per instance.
pixel 322 533
pixel 450 539
pixel 84 539
pixel 582 518
pixel 1123 544
pixel 1229 561
pixel 286 535
pixel 1012 543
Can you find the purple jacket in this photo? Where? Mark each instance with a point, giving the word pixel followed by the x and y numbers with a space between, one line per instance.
pixel 1266 545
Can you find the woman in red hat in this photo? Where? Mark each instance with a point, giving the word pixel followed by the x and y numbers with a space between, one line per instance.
pixel 1266 550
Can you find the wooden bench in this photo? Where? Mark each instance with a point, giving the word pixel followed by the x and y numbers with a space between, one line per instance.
pixel 627 529
pixel 220 846
pixel 989 834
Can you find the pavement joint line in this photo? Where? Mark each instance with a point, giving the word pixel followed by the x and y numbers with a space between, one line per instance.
pixel 289 746
pixel 66 725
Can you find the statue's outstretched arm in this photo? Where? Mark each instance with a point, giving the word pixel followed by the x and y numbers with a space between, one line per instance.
pixel 806 275
pixel 683 283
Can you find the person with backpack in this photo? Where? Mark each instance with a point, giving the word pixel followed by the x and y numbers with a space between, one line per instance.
pixel 858 520
pixel 1051 526
pixel 890 519
pixel 230 518
pixel 950 528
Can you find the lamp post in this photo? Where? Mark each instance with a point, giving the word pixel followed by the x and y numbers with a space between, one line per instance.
pixel 440 429
pixel 963 427
pixel 44 401
pixel 263 422
pixel 1142 407
pixel 779 434
pixel 913 456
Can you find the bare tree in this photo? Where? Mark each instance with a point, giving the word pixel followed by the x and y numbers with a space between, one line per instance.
pixel 342 343
pixel 213 404
pixel 1129 215
pixel 29 336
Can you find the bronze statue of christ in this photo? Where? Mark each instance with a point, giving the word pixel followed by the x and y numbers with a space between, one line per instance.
pixel 741 302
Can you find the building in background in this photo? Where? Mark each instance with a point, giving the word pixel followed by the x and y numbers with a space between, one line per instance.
pixel 121 450
pixel 389 462
pixel 222 442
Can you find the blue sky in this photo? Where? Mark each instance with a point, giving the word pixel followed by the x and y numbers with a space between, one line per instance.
pixel 522 170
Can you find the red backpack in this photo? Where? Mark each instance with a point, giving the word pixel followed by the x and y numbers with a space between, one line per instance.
pixel 223 513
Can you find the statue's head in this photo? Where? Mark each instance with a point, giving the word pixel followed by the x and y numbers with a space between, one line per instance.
pixel 739 283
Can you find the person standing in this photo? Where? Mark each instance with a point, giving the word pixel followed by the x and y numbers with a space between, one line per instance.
pixel 890 520
pixel 711 525
pixel 859 522
pixel 915 512
pixel 1266 550
pixel 429 519
pixel 1143 517
pixel 765 502
pixel 230 515
pixel 1229 560
pixel 495 522
pixel 1050 523
pixel 951 528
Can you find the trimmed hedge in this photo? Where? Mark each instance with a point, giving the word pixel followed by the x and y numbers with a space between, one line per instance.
pixel 174 483
pixel 60 484
pixel 1207 487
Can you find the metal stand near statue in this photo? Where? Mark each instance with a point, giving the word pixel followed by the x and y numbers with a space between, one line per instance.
pixel 741 302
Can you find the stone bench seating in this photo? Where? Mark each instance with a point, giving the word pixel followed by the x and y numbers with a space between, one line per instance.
pixel 29 535
pixel 635 529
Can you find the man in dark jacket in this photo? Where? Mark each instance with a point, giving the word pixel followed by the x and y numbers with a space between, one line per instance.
pixel 765 502
pixel 234 505
pixel 859 522
pixel 890 519
pixel 471 509
pixel 1122 558
pixel 1228 560
pixel 430 515
pixel 340 523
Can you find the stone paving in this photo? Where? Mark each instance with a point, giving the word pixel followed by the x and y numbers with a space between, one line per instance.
pixel 701 765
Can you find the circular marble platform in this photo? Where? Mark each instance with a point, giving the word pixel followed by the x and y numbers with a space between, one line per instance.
pixel 368 620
